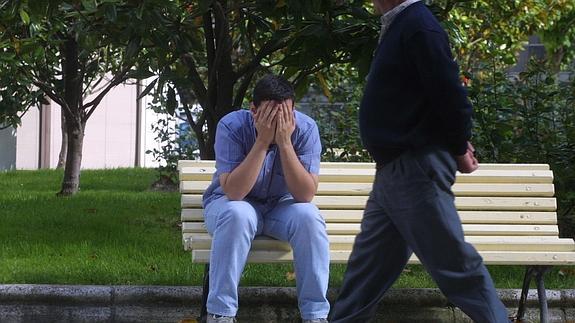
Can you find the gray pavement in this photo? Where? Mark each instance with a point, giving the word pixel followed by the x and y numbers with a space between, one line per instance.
pixel 62 303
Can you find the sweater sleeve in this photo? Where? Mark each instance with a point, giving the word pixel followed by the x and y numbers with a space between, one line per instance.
pixel 439 75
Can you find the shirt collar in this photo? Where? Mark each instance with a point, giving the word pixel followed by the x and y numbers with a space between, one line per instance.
pixel 388 17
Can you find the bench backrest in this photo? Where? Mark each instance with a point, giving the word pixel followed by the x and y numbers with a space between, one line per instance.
pixel 508 212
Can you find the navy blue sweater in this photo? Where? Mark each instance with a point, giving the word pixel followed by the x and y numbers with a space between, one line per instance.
pixel 414 96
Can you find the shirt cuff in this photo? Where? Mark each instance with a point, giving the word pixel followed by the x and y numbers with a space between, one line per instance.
pixel 459 149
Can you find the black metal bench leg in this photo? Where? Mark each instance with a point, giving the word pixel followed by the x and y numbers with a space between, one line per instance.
pixel 540 279
pixel 537 272
pixel 529 272
pixel 205 290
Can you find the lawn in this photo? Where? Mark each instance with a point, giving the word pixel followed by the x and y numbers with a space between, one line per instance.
pixel 117 231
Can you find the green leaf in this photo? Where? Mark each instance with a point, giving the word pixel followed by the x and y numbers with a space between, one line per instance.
pixel 133 47
pixel 89 4
pixel 24 16
pixel 148 89
pixel 172 102
pixel 110 12
pixel 302 87
pixel 141 74
pixel 140 11
pixel 324 86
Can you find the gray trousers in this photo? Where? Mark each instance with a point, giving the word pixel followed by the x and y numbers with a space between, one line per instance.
pixel 411 210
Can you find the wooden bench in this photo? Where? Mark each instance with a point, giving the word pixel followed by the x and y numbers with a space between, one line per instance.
pixel 508 213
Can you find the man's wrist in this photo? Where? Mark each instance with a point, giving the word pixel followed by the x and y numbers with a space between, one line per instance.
pixel 261 144
pixel 284 145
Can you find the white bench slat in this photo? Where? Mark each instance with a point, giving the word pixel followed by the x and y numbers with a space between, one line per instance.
pixel 358 175
pixel 483 166
pixel 341 256
pixel 460 189
pixel 469 229
pixel 484 243
pixel 462 203
pixel 478 217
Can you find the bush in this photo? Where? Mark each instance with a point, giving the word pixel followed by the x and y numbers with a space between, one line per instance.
pixel 524 118
pixel 528 118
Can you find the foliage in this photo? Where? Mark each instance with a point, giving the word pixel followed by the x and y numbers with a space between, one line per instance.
pixel 75 53
pixel 559 38
pixel 337 122
pixel 36 35
pixel 484 29
pixel 480 31
pixel 177 142
pixel 528 118
pixel 213 49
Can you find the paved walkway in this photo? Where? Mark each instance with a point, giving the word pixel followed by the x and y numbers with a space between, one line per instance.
pixel 49 303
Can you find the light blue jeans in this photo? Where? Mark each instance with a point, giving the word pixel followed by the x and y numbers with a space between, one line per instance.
pixel 234 224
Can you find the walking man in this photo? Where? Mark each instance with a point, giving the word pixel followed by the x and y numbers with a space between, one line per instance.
pixel 415 120
pixel 267 165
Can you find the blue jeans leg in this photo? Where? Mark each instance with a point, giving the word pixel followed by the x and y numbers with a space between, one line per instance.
pixel 233 226
pixel 303 227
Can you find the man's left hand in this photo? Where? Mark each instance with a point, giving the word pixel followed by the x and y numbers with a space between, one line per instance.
pixel 467 163
pixel 285 123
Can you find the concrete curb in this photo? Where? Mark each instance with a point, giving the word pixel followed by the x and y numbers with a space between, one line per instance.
pixel 68 303
pixel 180 295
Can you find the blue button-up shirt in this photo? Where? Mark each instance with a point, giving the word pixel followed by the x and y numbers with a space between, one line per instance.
pixel 235 137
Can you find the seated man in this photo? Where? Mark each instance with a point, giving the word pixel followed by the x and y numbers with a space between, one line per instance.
pixel 267 164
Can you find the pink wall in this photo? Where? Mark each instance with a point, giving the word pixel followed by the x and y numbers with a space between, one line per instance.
pixel 110 137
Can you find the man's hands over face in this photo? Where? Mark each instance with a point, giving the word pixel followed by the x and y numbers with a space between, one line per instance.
pixel 265 119
pixel 285 123
pixel 275 122
pixel 467 163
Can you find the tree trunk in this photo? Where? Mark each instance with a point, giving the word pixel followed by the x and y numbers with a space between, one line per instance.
pixel 208 153
pixel 556 59
pixel 64 145
pixel 71 181
pixel 74 115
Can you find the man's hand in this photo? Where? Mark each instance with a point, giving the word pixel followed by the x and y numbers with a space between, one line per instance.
pixel 467 163
pixel 285 123
pixel 265 119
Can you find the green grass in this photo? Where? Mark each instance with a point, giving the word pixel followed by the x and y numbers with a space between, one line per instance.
pixel 116 231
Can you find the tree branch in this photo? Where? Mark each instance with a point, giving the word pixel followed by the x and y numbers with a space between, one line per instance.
pixel 267 49
pixel 197 83
pixel 118 78
pixel 209 35
pixel 248 71
pixel 52 95
pixel 196 126
pixel 316 69
pixel 243 88
pixel 95 84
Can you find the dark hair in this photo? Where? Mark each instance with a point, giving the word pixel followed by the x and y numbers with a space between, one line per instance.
pixel 272 87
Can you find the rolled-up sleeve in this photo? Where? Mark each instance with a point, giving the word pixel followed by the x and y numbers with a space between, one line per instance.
pixel 228 148
pixel 309 153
